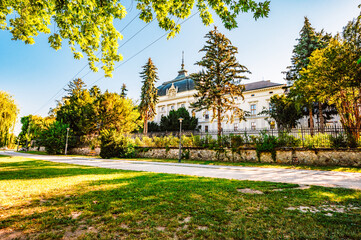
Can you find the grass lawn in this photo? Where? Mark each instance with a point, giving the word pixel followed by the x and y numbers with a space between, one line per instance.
pixel 46 200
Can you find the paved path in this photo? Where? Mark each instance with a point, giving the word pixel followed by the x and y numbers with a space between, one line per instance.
pixel 308 177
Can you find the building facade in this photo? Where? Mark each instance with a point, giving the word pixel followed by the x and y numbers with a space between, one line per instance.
pixel 179 93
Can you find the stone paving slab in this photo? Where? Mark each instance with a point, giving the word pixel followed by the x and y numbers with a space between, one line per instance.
pixel 308 177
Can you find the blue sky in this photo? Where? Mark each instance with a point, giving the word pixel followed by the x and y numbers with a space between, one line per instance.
pixel 33 74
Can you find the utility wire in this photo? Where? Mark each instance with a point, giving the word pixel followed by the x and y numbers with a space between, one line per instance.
pixel 143 49
pixel 98 64
pixel 62 89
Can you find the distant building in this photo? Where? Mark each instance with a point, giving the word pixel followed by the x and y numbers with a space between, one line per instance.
pixel 179 93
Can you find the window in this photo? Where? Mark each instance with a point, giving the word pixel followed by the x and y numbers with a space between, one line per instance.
pixel 253 109
pixel 206 128
pixel 183 105
pixel 235 126
pixel 206 116
pixel 253 125
pixel 162 109
pixel 270 92
pixel 252 95
pixel 172 107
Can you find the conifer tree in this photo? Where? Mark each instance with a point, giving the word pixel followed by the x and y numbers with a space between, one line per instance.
pixel 149 96
pixel 307 43
pixel 219 83
pixel 123 94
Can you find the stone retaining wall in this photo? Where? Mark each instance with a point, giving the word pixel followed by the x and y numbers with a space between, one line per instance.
pixel 321 157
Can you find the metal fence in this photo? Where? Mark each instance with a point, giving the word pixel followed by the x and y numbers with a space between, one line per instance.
pixel 307 137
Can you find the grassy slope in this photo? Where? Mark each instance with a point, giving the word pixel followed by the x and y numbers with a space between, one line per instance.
pixel 45 200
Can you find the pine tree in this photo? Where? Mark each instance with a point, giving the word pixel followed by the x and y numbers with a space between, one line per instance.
pixel 219 83
pixel 123 94
pixel 149 96
pixel 308 42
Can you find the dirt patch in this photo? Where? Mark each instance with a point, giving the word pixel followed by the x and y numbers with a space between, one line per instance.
pixel 249 191
pixel 202 228
pixel 160 229
pixel 325 208
pixel 9 234
pixel 75 215
pixel 69 235
pixel 186 220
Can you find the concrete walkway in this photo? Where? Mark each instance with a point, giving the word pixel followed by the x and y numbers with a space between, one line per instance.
pixel 307 177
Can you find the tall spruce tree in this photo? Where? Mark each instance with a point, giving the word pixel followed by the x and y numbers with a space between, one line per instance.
pixel 149 94
pixel 307 43
pixel 219 83
pixel 123 94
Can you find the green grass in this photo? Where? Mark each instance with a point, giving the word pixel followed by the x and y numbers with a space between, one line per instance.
pixel 45 153
pixel 46 200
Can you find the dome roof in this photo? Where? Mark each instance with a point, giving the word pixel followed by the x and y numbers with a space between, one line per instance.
pixel 182 83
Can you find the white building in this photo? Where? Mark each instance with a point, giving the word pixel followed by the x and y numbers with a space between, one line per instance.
pixel 179 93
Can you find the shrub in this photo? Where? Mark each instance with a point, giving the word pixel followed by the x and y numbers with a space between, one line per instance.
pixel 187 141
pixel 147 142
pixel 286 140
pixel 53 138
pixel 237 141
pixel 317 140
pixel 114 144
pixel 266 143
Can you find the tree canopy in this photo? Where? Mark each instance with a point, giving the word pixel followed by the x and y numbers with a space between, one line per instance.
pixel 8 114
pixel 219 82
pixel 89 25
pixel 87 112
pixel 171 122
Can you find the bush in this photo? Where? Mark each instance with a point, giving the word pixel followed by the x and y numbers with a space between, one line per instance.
pixel 266 143
pixel 286 140
pixel 53 138
pixel 114 144
pixel 343 141
pixel 317 140
pixel 237 141
pixel 187 141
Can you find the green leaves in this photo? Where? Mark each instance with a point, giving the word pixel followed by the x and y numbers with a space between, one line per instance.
pixel 8 113
pixel 88 25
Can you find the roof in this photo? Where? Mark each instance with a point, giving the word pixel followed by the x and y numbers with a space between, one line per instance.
pixel 260 85
pixel 184 83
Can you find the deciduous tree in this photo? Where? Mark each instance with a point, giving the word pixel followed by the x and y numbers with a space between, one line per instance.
pixel 8 114
pixel 89 25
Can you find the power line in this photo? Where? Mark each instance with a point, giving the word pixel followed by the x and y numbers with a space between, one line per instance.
pixel 62 89
pixel 122 45
pixel 143 49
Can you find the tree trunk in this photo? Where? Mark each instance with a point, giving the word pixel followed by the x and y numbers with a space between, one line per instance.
pixel 219 124
pixel 320 116
pixel 145 128
pixel 310 112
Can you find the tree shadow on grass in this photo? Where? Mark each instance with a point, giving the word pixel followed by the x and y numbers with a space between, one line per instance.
pixel 38 169
pixel 137 205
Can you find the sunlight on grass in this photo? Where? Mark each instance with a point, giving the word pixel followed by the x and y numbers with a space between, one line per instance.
pixel 46 200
